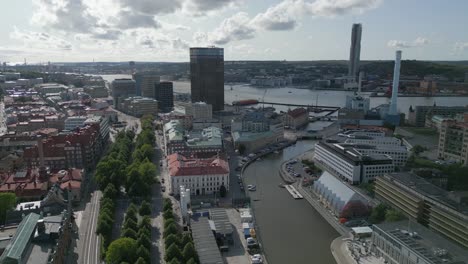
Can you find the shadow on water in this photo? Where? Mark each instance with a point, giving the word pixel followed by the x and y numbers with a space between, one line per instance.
pixel 291 230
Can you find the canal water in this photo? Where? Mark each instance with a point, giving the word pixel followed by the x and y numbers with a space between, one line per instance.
pixel 291 230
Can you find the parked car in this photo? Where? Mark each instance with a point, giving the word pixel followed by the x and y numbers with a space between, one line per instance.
pixel 163 188
pixel 256 259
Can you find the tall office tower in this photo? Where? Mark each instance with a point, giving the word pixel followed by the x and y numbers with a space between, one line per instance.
pixel 145 82
pixel 164 93
pixel 355 51
pixel 207 76
pixel 121 89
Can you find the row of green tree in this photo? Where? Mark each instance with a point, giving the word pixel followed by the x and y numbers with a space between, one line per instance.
pixel 179 247
pixel 134 246
pixel 109 176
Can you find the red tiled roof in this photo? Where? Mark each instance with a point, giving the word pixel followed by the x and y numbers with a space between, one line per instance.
pixel 70 185
pixel 183 166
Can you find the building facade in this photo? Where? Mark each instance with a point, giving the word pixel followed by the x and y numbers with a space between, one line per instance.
pixel 139 106
pixel 145 83
pixel 350 165
pixel 296 118
pixel 453 141
pixel 164 94
pixel 121 89
pixel 417 116
pixel 199 110
pixel 201 176
pixel 425 203
pixel 207 76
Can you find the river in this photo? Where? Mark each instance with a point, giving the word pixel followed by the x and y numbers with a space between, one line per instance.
pixel 309 97
pixel 291 230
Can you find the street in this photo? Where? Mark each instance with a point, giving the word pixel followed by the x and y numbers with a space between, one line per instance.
pixel 88 243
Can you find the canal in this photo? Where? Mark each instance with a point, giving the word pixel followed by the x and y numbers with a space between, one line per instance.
pixel 291 230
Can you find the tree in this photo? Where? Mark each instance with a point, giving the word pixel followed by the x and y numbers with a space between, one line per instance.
pixel 168 214
pixel 222 191
pixel 393 216
pixel 140 261
pixel 7 202
pixel 145 223
pixel 169 221
pixel 170 240
pixel 130 233
pixel 110 191
pixel 120 250
pixel 171 229
pixel 131 212
pixel 144 253
pixel 418 149
pixel 173 252
pixel 167 206
pixel 192 261
pixel 174 261
pixel 186 238
pixel 144 232
pixel 189 252
pixel 130 224
pixel 144 240
pixel 378 214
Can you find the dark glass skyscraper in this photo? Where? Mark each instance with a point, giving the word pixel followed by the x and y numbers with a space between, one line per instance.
pixel 207 76
pixel 164 93
pixel 355 51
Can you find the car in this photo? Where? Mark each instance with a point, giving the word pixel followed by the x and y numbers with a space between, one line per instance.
pixel 162 180
pixel 163 188
pixel 256 259
pixel 251 242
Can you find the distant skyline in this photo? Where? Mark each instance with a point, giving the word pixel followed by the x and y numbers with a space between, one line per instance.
pixel 163 30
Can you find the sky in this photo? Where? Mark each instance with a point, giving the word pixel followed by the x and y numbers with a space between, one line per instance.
pixel 163 30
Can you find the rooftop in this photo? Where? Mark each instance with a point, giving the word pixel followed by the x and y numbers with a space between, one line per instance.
pixel 429 190
pixel 205 243
pixel 182 166
pixel 21 238
pixel 425 242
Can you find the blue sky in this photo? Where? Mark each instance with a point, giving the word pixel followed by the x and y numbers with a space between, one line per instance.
pixel 163 30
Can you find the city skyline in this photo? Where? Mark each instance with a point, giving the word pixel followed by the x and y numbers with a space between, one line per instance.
pixel 120 30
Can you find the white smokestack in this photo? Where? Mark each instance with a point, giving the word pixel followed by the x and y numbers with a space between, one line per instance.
pixel 396 81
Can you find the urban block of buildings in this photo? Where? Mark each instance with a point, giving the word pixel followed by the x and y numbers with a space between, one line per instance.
pixel 296 118
pixel 425 203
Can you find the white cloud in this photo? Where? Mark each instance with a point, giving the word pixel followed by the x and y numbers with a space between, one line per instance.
pixel 40 40
pixel 400 44
pixel 234 28
pixel 460 46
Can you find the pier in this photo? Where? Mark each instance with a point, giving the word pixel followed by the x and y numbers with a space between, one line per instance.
pixel 294 193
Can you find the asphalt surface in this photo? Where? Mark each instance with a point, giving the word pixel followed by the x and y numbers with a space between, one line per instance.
pixel 88 242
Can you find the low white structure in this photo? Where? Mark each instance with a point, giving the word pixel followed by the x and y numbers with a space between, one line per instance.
pixel 350 165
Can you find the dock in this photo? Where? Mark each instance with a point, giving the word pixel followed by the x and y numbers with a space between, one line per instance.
pixel 294 193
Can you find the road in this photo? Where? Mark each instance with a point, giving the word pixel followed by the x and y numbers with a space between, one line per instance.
pixel 88 242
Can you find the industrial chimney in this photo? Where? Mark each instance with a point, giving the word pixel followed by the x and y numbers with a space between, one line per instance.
pixel 396 81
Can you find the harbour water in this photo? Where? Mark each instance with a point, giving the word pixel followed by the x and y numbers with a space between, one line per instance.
pixel 291 230
pixel 310 97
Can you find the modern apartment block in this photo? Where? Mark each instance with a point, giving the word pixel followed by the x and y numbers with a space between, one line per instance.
pixel 411 243
pixel 344 161
pixel 207 76
pixel 425 203
pixel 139 106
pixel 164 94
pixel 453 141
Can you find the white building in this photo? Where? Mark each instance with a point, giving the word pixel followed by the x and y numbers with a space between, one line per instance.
pixel 201 176
pixel 73 122
pixel 199 110
pixel 350 165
